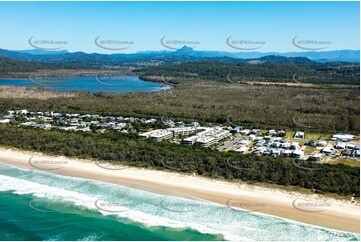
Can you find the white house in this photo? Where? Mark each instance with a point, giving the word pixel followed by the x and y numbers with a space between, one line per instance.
pixel 23 111
pixel 343 137
pixel 4 121
pixel 327 151
pixel 286 145
pixel 158 134
pixel 242 149
pixel 299 135
pixel 245 131
pixel 298 154
pixel 340 146
pixel 294 145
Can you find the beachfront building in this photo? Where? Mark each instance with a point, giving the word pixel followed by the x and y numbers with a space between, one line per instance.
pixel 207 137
pixel 183 131
pixel 190 140
pixel 206 141
pixel 158 134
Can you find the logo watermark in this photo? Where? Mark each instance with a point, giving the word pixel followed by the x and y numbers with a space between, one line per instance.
pixel 124 156
pixel 245 44
pixel 167 121
pixel 113 80
pixel 296 78
pixel 242 164
pixel 113 44
pixel 245 207
pixel 43 80
pixel 235 79
pixel 180 206
pixel 307 44
pixel 46 207
pixel 246 121
pixel 301 164
pixel 341 234
pixel 314 120
pixel 310 206
pixel 165 81
pixel 178 165
pixel 177 44
pixel 310 120
pixel 232 122
pixel 8 235
pixel 112 207
pixel 45 164
pixel 47 45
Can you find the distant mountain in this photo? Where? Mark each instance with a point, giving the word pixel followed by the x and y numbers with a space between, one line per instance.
pixel 15 55
pixel 319 56
pixel 43 52
pixel 285 60
pixel 185 49
pixel 268 68
pixel 184 54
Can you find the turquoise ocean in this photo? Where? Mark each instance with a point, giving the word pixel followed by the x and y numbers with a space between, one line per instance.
pixel 36 205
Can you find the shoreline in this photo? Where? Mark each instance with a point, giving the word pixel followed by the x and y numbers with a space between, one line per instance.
pixel 94 75
pixel 329 213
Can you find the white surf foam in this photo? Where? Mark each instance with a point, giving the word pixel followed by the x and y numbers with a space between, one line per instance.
pixel 23 187
pixel 145 208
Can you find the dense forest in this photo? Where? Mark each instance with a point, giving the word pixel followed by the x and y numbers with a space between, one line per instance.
pixel 10 65
pixel 269 107
pixel 259 71
pixel 128 149
pixel 266 69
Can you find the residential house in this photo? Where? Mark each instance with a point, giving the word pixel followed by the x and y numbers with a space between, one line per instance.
pixel 299 135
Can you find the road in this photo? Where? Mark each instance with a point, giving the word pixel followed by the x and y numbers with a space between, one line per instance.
pixel 229 143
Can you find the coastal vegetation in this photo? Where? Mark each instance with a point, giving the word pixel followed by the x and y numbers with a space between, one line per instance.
pixel 314 110
pixel 222 69
pixel 128 149
pixel 261 71
pixel 17 66
pixel 207 92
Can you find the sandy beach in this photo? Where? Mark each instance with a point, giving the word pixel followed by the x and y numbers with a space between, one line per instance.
pixel 311 209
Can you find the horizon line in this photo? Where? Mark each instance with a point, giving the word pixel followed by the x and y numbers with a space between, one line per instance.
pixel 174 51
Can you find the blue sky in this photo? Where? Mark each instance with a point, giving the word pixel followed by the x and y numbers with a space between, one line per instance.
pixel 208 24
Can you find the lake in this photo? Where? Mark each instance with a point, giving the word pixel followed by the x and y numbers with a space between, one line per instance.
pixel 108 84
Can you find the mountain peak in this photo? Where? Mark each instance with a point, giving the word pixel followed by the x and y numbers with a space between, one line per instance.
pixel 185 48
pixel 43 52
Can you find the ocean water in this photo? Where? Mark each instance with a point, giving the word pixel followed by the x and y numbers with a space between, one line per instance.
pixel 36 205
pixel 108 84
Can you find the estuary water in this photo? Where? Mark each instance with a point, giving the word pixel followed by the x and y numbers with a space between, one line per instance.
pixel 107 84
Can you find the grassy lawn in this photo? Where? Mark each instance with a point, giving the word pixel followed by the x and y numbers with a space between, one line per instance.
pixel 310 150
pixel 290 134
pixel 349 162
pixel 263 132
pixel 309 136
pixel 318 136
